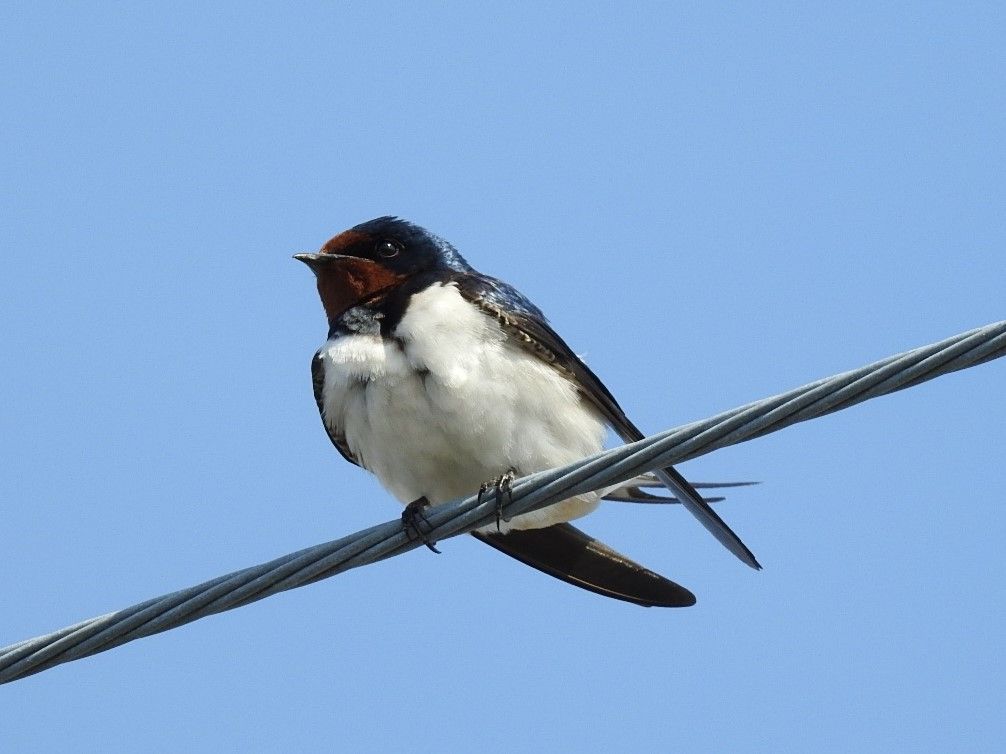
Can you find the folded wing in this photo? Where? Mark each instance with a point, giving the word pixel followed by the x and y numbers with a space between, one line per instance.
pixel 532 332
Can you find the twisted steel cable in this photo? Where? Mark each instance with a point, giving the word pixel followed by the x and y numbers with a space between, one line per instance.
pixel 530 493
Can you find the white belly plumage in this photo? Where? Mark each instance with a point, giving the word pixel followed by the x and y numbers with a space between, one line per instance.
pixel 449 404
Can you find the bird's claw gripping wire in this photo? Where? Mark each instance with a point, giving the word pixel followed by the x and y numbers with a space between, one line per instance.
pixel 411 518
pixel 503 484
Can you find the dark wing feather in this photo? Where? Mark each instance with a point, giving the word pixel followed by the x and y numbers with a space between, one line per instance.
pixel 337 438
pixel 567 553
pixel 634 490
pixel 640 497
pixel 529 328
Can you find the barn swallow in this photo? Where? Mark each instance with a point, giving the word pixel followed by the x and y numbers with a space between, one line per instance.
pixel 439 380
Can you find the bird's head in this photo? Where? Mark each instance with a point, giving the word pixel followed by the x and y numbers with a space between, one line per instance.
pixel 374 257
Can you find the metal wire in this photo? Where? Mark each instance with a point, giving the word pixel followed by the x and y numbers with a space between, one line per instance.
pixel 530 493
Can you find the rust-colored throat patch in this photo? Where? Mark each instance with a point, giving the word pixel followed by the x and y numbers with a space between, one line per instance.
pixel 345 282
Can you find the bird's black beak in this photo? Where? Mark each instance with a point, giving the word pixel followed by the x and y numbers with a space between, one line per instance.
pixel 315 260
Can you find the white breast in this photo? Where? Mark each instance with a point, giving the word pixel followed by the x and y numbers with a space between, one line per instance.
pixel 449 403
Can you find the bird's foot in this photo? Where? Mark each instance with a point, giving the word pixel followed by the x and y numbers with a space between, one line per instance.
pixel 501 484
pixel 411 518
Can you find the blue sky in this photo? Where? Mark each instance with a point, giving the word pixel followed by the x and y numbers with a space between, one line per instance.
pixel 711 204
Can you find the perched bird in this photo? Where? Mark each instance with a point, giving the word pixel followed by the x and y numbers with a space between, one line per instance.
pixel 439 380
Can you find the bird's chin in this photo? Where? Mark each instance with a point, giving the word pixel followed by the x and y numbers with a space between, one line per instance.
pixel 345 282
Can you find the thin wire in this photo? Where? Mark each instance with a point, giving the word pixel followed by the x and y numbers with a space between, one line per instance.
pixel 530 493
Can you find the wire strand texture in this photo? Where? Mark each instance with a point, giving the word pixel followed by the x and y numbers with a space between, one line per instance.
pixel 530 493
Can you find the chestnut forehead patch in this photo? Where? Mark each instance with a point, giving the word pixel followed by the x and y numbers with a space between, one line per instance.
pixel 344 241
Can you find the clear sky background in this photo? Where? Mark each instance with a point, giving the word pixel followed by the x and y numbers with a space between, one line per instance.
pixel 712 205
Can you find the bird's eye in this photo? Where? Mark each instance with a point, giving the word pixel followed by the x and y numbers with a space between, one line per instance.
pixel 387 249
